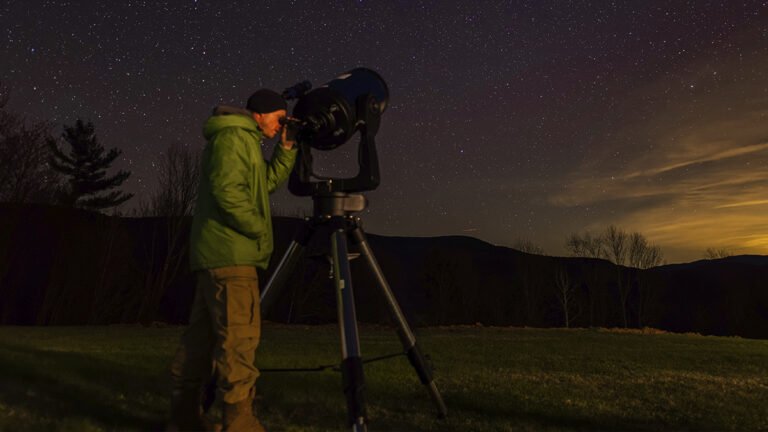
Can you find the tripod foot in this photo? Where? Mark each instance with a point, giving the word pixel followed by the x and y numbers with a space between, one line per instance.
pixel 419 362
pixel 354 389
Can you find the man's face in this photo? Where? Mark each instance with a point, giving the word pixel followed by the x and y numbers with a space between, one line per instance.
pixel 269 123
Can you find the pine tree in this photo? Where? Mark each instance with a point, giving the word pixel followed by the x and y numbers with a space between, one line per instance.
pixel 86 168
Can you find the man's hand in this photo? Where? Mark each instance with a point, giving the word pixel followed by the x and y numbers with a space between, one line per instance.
pixel 284 141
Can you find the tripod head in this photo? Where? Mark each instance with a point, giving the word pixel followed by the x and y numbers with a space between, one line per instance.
pixel 329 204
pixel 328 117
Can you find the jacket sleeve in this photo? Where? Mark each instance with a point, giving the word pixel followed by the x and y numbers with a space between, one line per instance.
pixel 280 166
pixel 228 177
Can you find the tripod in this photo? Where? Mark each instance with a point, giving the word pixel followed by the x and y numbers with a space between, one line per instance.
pixel 335 210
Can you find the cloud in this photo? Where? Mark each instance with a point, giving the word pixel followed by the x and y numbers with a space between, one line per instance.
pixel 724 154
pixel 692 175
pixel 744 204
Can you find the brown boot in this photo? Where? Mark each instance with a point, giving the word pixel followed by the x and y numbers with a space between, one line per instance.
pixel 239 417
pixel 186 413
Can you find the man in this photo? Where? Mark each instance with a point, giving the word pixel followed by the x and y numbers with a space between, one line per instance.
pixel 231 237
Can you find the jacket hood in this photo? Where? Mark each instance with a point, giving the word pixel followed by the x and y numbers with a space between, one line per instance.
pixel 216 123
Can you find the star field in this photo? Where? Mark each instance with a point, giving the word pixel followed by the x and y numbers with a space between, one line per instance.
pixel 507 120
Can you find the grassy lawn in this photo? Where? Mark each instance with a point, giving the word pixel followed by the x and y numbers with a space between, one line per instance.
pixel 492 379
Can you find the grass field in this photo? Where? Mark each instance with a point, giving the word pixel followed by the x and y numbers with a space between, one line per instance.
pixel 492 379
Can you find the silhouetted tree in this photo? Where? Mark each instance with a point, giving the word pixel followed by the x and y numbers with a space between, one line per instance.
pixel 25 174
pixel 565 295
pixel 172 202
pixel 642 255
pixel 622 249
pixel 177 178
pixel 617 246
pixel 588 246
pixel 527 246
pixel 526 277
pixel 85 167
pixel 717 253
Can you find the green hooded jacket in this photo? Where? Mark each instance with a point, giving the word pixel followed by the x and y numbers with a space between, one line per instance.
pixel 232 224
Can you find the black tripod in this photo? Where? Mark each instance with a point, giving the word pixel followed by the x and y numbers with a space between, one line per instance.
pixel 335 210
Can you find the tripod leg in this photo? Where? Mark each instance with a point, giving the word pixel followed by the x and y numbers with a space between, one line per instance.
pixel 287 264
pixel 407 338
pixel 352 364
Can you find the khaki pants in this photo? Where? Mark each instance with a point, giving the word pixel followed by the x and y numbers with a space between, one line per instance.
pixel 223 333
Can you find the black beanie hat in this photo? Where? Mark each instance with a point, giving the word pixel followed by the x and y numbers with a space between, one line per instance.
pixel 266 101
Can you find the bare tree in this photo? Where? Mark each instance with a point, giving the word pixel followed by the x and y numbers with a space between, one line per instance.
pixel 588 245
pixel 527 277
pixel 642 255
pixel 717 253
pixel 173 200
pixel 617 246
pixel 178 172
pixel 565 295
pixel 25 173
pixel 527 246
pixel 622 249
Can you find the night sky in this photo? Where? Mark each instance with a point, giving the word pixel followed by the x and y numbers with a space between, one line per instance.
pixel 507 120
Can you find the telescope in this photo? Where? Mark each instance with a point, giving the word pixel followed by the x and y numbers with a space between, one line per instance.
pixel 328 117
pixel 324 119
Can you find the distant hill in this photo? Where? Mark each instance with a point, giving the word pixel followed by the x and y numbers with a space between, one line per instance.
pixel 727 296
pixel 65 266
